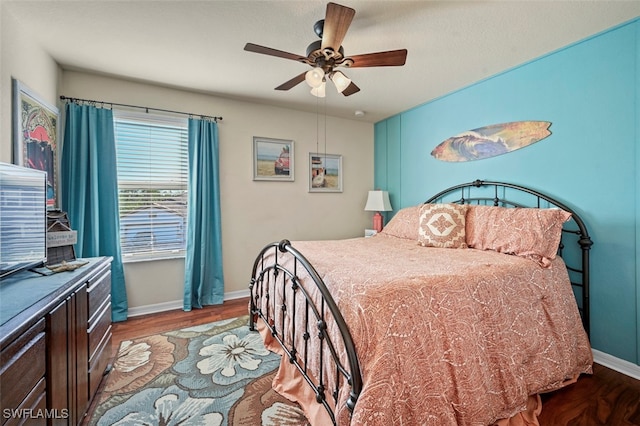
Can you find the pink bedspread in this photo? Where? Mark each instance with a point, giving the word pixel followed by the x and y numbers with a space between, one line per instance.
pixel 447 336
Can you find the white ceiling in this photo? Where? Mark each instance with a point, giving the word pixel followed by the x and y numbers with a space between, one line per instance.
pixel 198 45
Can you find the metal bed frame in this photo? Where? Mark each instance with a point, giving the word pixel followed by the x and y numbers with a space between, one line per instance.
pixel 266 277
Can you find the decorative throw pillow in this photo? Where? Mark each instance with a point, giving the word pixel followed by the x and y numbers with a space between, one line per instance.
pixel 404 224
pixel 527 232
pixel 442 225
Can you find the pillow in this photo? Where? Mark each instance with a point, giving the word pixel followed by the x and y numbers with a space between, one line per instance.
pixel 442 225
pixel 404 224
pixel 527 232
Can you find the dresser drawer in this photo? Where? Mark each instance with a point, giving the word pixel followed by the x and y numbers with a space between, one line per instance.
pixel 99 362
pixel 34 403
pixel 99 290
pixel 98 328
pixel 22 367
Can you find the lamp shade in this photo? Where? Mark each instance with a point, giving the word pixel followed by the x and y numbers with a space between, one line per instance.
pixel 378 201
pixel 340 80
pixel 319 91
pixel 314 77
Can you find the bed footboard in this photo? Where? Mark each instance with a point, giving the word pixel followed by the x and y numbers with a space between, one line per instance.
pixel 281 287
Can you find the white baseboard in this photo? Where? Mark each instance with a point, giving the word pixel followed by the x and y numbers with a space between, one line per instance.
pixel 178 304
pixel 236 294
pixel 621 366
pixel 155 308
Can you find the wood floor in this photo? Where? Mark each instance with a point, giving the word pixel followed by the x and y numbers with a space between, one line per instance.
pixel 606 398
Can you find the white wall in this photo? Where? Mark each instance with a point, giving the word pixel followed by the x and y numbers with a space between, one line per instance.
pixel 254 213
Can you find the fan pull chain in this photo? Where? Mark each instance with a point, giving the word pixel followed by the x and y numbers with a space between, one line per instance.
pixel 317 124
pixel 325 134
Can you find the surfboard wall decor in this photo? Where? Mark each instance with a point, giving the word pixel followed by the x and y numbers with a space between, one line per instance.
pixel 489 141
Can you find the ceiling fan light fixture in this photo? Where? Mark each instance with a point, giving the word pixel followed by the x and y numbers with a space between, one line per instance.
pixel 314 77
pixel 319 91
pixel 340 80
pixel 326 54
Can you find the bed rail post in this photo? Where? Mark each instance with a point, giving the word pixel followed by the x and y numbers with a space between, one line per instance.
pixel 270 262
pixel 585 245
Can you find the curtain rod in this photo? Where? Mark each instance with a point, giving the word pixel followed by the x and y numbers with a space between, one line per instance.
pixel 65 98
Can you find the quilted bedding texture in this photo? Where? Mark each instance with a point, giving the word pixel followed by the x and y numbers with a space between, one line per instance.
pixel 444 336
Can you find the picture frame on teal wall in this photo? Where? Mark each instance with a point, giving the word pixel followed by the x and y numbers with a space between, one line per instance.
pixel 325 172
pixel 273 159
pixel 35 135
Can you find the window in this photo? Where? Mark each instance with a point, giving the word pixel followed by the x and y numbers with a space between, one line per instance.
pixel 152 156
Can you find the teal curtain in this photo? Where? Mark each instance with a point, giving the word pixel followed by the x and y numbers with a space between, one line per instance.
pixel 204 283
pixel 89 191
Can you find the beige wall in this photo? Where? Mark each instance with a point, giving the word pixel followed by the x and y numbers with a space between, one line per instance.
pixel 23 59
pixel 254 213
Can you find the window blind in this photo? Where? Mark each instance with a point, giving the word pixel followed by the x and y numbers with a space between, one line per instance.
pixel 23 218
pixel 152 157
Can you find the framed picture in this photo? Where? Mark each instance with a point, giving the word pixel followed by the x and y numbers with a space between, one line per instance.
pixel 35 135
pixel 273 159
pixel 325 172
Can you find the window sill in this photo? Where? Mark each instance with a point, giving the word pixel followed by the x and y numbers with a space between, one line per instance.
pixel 152 258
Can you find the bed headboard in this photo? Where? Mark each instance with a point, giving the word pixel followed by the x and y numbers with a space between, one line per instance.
pixel 575 253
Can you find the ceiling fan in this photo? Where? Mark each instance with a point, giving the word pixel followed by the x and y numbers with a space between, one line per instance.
pixel 327 54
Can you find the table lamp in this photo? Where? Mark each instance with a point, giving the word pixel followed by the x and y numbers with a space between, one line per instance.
pixel 378 201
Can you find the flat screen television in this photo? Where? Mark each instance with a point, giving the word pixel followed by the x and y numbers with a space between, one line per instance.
pixel 23 218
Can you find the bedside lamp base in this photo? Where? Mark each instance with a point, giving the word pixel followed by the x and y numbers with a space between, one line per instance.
pixel 377 221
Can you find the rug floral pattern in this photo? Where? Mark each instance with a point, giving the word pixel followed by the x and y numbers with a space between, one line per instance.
pixel 213 374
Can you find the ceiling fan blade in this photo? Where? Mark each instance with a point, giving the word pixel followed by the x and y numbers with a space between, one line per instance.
pixel 351 89
pixel 391 58
pixel 336 23
pixel 292 83
pixel 250 47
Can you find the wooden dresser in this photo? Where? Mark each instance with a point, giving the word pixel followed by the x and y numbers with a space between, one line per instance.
pixel 55 341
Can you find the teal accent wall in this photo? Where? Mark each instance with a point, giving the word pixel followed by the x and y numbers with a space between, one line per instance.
pixel 387 154
pixel 590 92
pixel 637 190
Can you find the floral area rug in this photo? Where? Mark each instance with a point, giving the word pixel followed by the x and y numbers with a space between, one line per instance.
pixel 213 374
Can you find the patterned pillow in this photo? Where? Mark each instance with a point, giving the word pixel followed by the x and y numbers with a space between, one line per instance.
pixel 527 232
pixel 404 224
pixel 442 225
